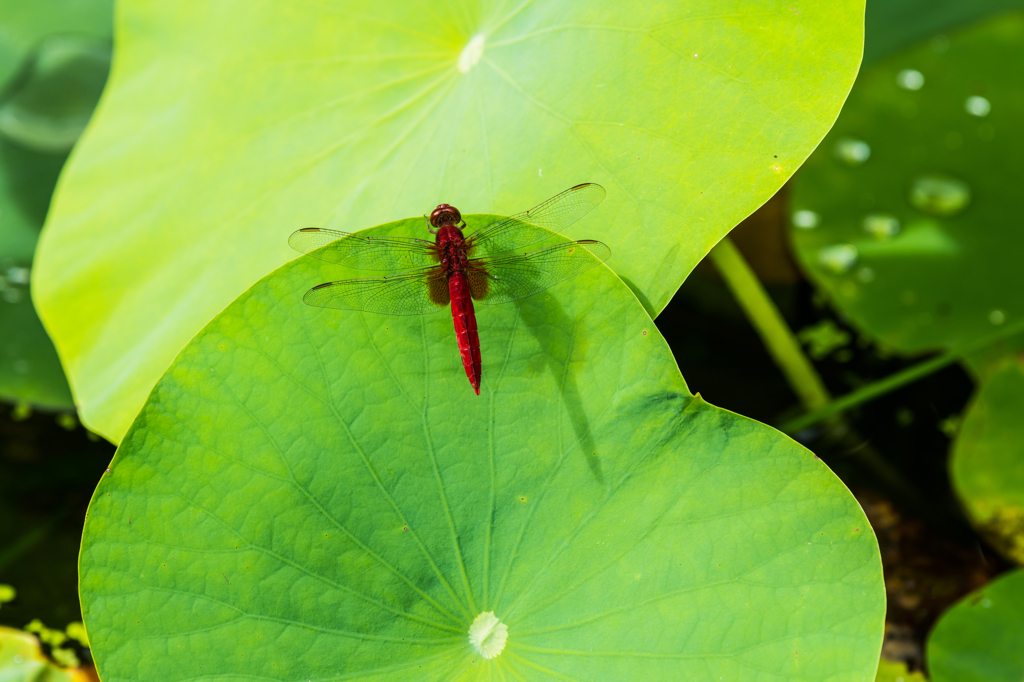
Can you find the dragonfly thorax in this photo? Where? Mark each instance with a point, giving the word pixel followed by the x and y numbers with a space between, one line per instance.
pixel 451 247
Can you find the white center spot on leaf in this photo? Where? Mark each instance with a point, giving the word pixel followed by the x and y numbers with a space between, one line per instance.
pixel 487 634
pixel 471 54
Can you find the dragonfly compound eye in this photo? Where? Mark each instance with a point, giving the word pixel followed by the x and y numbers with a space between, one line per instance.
pixel 445 215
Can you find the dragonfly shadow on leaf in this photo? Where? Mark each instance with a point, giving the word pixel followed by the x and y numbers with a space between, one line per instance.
pixel 554 331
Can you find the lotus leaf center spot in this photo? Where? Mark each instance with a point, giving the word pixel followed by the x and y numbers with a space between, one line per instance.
pixel 487 634
pixel 471 54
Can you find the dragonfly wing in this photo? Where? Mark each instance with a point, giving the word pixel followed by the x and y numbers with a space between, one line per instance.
pixel 521 230
pixel 364 252
pixel 408 293
pixel 501 279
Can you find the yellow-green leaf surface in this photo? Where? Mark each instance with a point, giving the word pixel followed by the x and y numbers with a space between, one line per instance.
pixel 979 639
pixel 907 215
pixel 987 463
pixel 317 494
pixel 22 660
pixel 226 127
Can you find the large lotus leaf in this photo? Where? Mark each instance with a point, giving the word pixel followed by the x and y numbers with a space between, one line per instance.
pixel 29 368
pixel 907 214
pixel 316 494
pixel 225 129
pixel 24 24
pixel 890 25
pixel 987 463
pixel 978 640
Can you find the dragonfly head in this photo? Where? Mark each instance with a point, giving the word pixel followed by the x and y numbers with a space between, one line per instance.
pixel 445 215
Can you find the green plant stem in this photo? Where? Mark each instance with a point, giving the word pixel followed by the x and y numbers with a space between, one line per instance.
pixel 783 346
pixel 894 381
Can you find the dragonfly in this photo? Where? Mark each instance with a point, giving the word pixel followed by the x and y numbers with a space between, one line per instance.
pixel 456 269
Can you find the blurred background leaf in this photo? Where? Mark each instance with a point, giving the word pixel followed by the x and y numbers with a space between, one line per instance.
pixel 979 639
pixel 54 58
pixel 23 660
pixel 891 25
pixel 987 461
pixel 907 214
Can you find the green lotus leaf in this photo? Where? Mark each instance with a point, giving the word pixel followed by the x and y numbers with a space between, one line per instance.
pixel 890 25
pixel 987 463
pixel 978 640
pixel 905 214
pixel 224 130
pixel 318 494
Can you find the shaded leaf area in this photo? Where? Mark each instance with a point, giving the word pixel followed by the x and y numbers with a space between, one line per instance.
pixel 54 57
pixel 978 640
pixel 892 25
pixel 27 23
pixel 987 463
pixel 29 368
pixel 216 135
pixel 22 660
pixel 926 571
pixel 319 494
pixel 904 214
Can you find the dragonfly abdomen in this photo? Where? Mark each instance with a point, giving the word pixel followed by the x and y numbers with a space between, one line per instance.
pixel 465 326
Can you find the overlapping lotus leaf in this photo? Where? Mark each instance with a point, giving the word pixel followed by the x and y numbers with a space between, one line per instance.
pixel 225 129
pixel 318 494
pixel 978 640
pixel 907 213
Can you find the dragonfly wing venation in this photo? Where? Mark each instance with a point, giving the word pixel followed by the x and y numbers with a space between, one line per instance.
pixel 502 279
pixel 524 229
pixel 416 293
pixel 364 252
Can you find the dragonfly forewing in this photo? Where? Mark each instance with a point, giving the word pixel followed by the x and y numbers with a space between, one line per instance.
pixel 410 293
pixel 533 226
pixel 364 252
pixel 511 277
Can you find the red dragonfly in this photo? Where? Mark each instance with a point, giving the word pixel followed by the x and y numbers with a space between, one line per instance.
pixel 455 268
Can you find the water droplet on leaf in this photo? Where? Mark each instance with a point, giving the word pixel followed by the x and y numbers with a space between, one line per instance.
pixel 852 151
pixel 806 219
pixel 997 317
pixel 910 79
pixel 939 195
pixel 18 275
pixel 838 258
pixel 881 225
pixel 977 106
